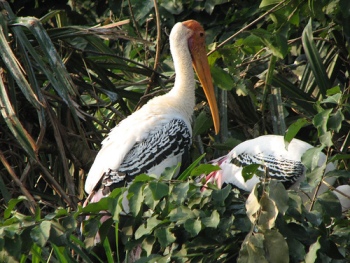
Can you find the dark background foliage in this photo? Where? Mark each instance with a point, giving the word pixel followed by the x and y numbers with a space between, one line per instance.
pixel 71 70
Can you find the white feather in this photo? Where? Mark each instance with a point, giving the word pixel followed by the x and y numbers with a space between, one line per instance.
pixel 178 103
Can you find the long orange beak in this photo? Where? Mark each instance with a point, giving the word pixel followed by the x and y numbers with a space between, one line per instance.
pixel 201 66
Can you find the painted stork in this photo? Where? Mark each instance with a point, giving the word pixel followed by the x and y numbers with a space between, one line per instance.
pixel 159 134
pixel 283 162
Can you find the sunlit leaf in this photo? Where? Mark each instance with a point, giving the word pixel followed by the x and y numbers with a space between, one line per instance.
pixel 41 233
pixel 250 170
pixel 164 236
pixel 311 256
pixel 159 189
pixel 193 226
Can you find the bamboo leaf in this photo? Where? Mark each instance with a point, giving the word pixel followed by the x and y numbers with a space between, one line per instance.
pixel 315 60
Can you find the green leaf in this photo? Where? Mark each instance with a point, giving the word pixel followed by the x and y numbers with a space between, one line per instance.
pixel 204 169
pixel 294 128
pixel 252 249
pixel 311 256
pixel 41 233
pixel 11 206
pixel 335 121
pixel 135 197
pixel 222 78
pixel 179 193
pixel 159 189
pixel 279 195
pixel 212 221
pixel 326 139
pixel 185 174
pixel 181 213
pixel 250 170
pixel 202 123
pixel 276 247
pixel 268 212
pixel 164 236
pixel 311 158
pixel 334 99
pixel 265 3
pixel 170 172
pixel 252 205
pixel 315 60
pixel 147 228
pixel 220 195
pixel 320 121
pixel 330 205
pixel 193 226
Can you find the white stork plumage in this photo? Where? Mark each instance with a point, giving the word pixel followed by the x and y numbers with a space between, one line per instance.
pixel 159 134
pixel 283 162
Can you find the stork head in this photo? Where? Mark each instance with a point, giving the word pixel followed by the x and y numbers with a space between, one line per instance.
pixel 196 45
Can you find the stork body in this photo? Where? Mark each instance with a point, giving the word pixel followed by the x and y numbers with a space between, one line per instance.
pixel 159 134
pixel 283 162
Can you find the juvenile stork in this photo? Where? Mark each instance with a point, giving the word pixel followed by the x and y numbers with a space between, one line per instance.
pixel 159 134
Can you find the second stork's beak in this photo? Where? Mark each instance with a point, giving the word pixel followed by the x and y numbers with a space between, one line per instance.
pixel 201 66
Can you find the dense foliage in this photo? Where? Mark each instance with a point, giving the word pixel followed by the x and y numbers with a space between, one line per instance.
pixel 70 72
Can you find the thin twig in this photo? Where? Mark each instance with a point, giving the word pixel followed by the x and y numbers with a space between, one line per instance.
pixel 18 182
pixel 133 19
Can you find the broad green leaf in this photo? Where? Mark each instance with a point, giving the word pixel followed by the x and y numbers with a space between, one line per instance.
pixel 315 176
pixel 204 169
pixel 11 206
pixel 220 195
pixel 333 99
pixel 252 249
pixel 170 172
pixel 41 233
pixel 330 204
pixel 320 121
pixel 335 121
pixel 179 192
pixel 250 170
pixel 326 139
pixel 159 189
pixel 180 213
pixel 252 205
pixel 135 197
pixel 164 236
pixel 311 256
pixel 202 123
pixel 96 207
pixel 311 158
pixel 265 3
pixel 212 221
pixel 294 128
pixel 279 195
pixel 276 247
pixel 147 228
pixel 222 78
pixel 296 249
pixel 193 226
pixel 268 213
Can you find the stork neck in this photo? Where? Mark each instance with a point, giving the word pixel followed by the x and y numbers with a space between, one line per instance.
pixel 184 86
